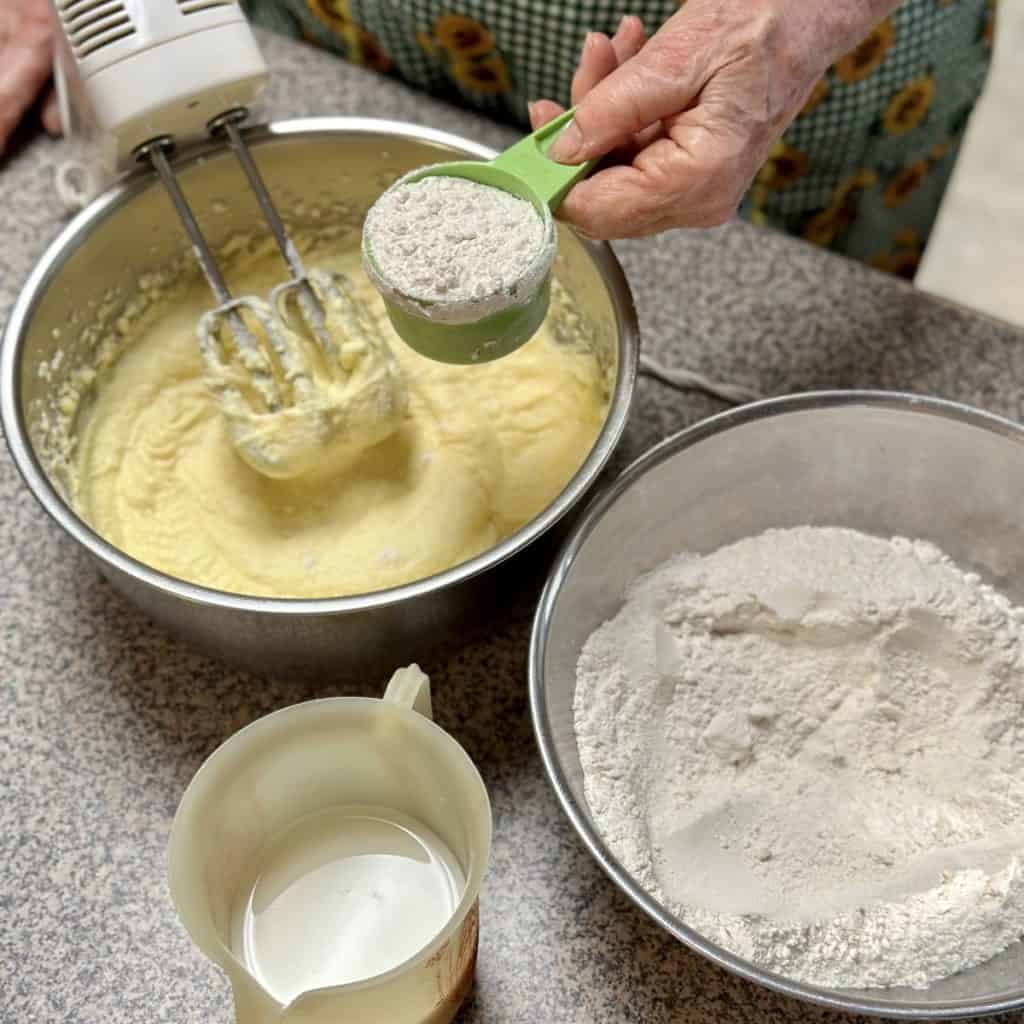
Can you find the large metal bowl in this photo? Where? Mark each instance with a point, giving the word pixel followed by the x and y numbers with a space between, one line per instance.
pixel 886 464
pixel 97 262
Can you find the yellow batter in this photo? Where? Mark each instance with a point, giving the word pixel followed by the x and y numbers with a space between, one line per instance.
pixel 478 452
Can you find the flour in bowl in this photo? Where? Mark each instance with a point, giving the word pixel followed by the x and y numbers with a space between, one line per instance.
pixel 809 745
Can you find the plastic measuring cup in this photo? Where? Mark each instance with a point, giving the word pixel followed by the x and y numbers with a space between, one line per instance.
pixel 305 760
pixel 525 171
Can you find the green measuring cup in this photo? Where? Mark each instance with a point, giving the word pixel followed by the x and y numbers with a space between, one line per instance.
pixel 525 171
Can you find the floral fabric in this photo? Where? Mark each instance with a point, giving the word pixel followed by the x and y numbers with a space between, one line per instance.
pixel 861 170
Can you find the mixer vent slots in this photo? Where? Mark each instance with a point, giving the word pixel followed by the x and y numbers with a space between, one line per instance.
pixel 94 24
pixel 195 6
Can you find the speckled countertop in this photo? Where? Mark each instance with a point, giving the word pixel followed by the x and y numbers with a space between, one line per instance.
pixel 104 718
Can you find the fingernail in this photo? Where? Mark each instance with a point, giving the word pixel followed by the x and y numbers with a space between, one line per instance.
pixel 531 109
pixel 622 24
pixel 588 41
pixel 567 145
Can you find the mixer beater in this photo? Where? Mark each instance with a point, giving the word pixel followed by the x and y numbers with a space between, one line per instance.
pixel 140 78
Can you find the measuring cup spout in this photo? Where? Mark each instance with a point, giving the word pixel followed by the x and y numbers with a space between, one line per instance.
pixel 253 1004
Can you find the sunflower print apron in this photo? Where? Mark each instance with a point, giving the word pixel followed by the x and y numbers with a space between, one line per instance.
pixel 861 170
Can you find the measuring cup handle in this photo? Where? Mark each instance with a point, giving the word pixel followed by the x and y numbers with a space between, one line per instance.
pixel 410 688
pixel 528 160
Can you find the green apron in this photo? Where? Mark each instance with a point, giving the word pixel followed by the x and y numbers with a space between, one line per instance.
pixel 861 170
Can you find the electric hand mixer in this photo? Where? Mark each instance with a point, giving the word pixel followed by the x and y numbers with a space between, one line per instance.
pixel 141 78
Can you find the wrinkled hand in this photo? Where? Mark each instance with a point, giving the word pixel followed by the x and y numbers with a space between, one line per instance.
pixel 690 115
pixel 26 61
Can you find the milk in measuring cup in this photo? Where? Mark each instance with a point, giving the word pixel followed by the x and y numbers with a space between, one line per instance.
pixel 342 895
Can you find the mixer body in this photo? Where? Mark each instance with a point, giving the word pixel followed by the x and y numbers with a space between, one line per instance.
pixel 128 71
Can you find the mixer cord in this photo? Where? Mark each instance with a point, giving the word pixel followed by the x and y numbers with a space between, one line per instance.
pixel 690 380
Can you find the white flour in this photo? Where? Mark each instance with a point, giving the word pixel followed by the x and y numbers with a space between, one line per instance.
pixel 455 250
pixel 809 746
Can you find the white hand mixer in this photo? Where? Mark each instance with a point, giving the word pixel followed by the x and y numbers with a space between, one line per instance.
pixel 138 79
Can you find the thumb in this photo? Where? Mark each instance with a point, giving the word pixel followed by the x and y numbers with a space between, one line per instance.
pixel 661 80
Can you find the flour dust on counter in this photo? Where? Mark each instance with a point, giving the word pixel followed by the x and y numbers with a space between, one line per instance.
pixel 807 745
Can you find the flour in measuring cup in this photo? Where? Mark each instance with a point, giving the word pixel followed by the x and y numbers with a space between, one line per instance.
pixel 449 245
pixel 808 745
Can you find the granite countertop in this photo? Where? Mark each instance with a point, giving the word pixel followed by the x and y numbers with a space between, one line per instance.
pixel 104 718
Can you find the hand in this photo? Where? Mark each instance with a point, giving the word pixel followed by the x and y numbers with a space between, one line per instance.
pixel 26 61
pixel 691 115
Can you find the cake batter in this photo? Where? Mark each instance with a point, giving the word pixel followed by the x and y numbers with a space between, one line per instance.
pixel 478 452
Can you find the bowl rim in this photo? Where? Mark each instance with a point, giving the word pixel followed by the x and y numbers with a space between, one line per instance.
pixel 109 202
pixel 599 505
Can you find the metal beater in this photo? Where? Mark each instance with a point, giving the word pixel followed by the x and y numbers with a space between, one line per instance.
pixel 240 326
pixel 144 78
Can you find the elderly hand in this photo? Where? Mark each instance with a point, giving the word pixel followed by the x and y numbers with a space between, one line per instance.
pixel 26 60
pixel 691 114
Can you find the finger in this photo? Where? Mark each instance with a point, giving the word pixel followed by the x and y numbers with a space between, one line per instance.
pixel 627 42
pixel 612 203
pixel 693 177
pixel 542 111
pixel 597 61
pixel 631 150
pixel 23 75
pixel 51 115
pixel 601 56
pixel 629 38
pixel 26 65
pixel 660 81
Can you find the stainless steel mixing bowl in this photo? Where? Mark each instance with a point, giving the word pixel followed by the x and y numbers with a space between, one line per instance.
pixel 317 169
pixel 886 464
